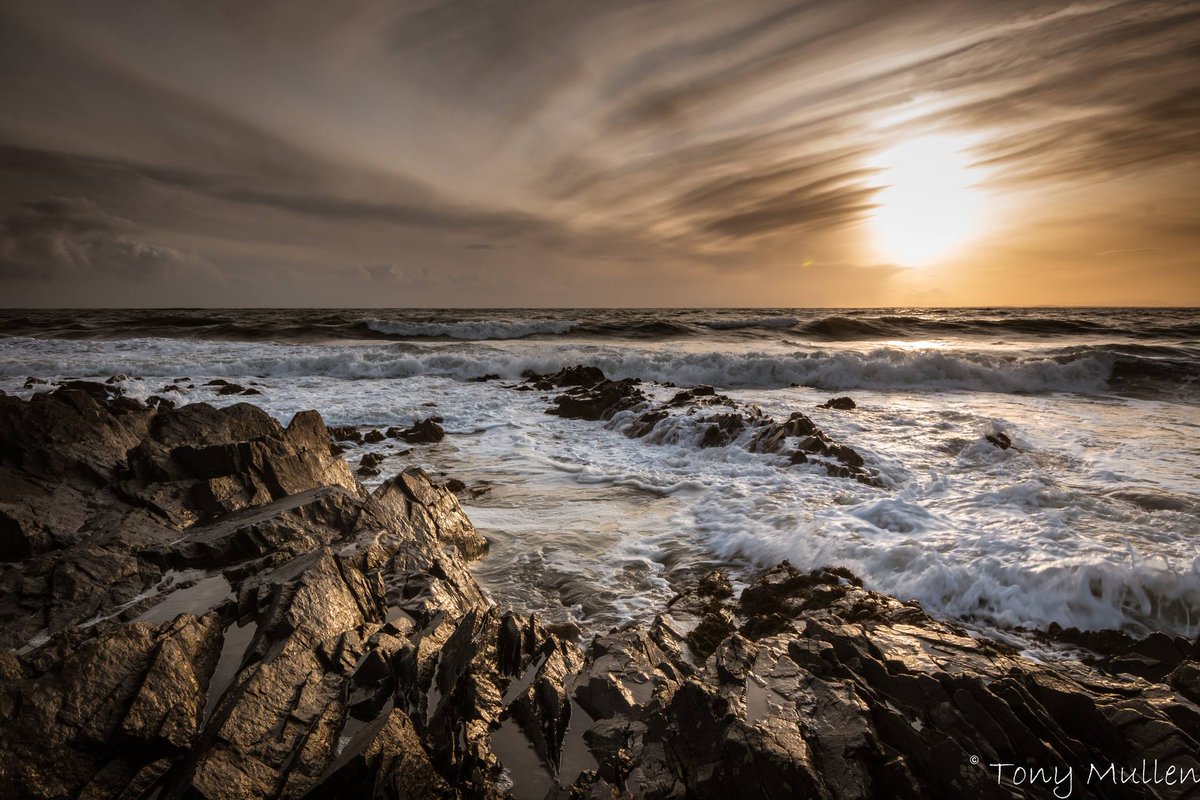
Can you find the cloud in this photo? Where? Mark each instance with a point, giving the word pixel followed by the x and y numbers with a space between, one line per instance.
pixel 60 237
pixel 541 143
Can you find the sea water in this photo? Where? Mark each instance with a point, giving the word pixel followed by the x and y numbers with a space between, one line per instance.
pixel 1090 520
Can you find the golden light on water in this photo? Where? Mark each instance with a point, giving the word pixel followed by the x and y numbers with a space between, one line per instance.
pixel 929 204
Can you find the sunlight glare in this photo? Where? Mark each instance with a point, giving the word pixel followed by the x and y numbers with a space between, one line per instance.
pixel 929 204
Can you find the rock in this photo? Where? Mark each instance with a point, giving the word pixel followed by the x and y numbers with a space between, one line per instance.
pixel 231 388
pixel 593 397
pixel 206 604
pixel 579 376
pixel 839 403
pixel 217 382
pixel 999 439
pixel 31 381
pixel 425 432
pixel 599 401
pixel 251 391
pixel 491 376
pixel 369 465
pixel 698 397
pixel 373 437
pixel 346 433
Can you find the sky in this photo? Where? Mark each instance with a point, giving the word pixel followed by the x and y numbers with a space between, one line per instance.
pixel 567 153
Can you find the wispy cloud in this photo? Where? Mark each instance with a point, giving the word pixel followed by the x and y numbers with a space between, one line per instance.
pixel 519 139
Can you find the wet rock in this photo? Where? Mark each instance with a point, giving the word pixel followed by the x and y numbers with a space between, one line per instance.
pixel 217 382
pixel 220 610
pixel 425 432
pixel 840 692
pixel 231 388
pixel 578 376
pixel 594 397
pixel 369 465
pixel 373 437
pixel 692 396
pixel 839 404
pixel 999 439
pixel 32 381
pixel 491 376
pixel 346 433
pixel 251 391
pixel 598 401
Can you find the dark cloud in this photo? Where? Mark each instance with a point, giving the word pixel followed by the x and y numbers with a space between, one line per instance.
pixel 456 149
pixel 64 237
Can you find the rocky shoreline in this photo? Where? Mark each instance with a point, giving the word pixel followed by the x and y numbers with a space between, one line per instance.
pixel 202 603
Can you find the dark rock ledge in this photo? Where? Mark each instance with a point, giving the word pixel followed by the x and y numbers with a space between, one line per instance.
pixel 200 603
pixel 722 421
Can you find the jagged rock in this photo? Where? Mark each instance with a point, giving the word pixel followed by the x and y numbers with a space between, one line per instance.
pixel 373 437
pixel 369 465
pixel 70 435
pixel 999 439
pixel 699 397
pixel 598 401
pixel 839 403
pixel 581 376
pixel 827 690
pixel 224 612
pixel 426 431
pixel 594 397
pixel 346 433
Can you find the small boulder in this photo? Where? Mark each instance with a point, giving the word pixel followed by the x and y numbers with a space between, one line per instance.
pixel 373 437
pixel 999 439
pixel 346 433
pixel 369 465
pixel 425 432
pixel 839 404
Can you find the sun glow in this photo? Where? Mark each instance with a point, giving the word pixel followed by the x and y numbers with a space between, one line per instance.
pixel 929 204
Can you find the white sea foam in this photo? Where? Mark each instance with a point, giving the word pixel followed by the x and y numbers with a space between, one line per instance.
pixel 830 369
pixel 589 523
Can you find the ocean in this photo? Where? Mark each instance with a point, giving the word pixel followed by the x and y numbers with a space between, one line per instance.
pixel 1091 519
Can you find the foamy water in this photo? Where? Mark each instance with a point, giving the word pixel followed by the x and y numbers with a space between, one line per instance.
pixel 1090 521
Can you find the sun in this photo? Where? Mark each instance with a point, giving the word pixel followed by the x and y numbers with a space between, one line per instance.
pixel 929 204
